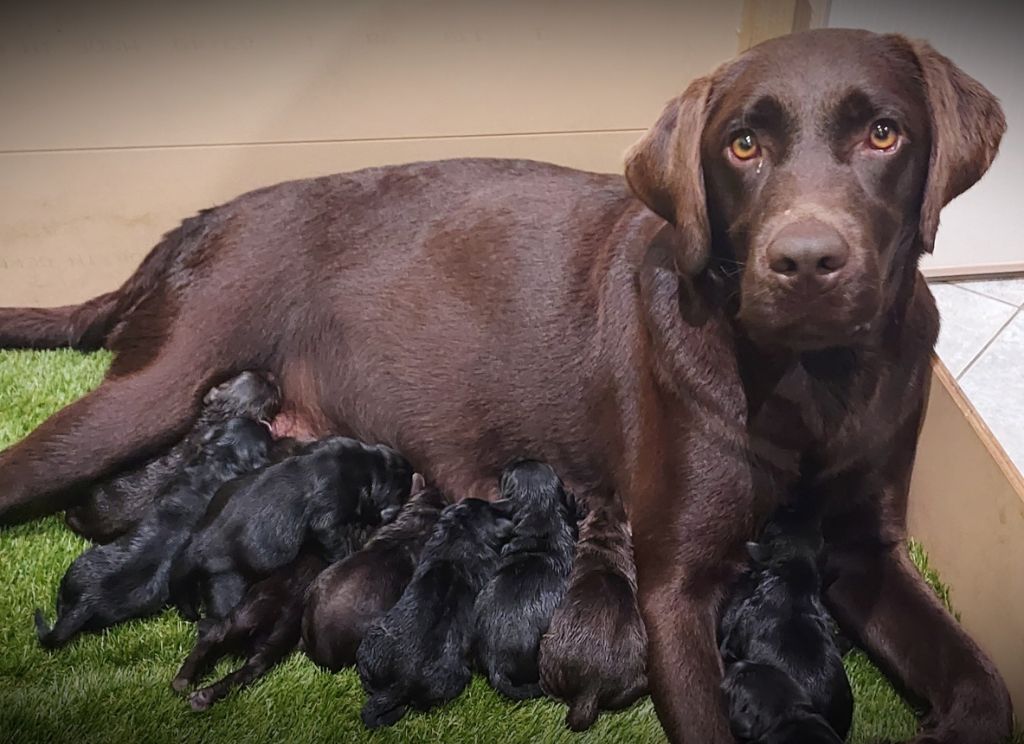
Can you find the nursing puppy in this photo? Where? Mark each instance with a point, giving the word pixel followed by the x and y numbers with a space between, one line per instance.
pixel 129 577
pixel 348 597
pixel 775 620
pixel 594 655
pixel 326 498
pixel 766 706
pixel 418 654
pixel 263 629
pixel 514 610
pixel 111 507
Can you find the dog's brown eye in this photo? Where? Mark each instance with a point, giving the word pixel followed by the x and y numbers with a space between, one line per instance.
pixel 744 146
pixel 883 134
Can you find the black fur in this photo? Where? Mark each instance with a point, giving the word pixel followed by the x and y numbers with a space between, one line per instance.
pixel 326 498
pixel 418 654
pixel 766 706
pixel 515 608
pixel 775 620
pixel 348 597
pixel 111 507
pixel 264 629
pixel 129 577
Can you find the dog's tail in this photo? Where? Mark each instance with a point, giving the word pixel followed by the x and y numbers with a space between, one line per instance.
pixel 582 712
pixel 508 688
pixel 88 326
pixel 84 327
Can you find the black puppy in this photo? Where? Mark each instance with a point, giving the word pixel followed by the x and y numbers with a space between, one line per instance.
pixel 264 628
pixel 129 577
pixel 327 498
pixel 515 608
pixel 418 654
pixel 766 706
pixel 112 507
pixel 774 619
pixel 348 597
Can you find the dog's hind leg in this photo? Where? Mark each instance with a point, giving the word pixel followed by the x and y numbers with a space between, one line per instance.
pixel 209 648
pixel 224 592
pixel 255 667
pixel 128 417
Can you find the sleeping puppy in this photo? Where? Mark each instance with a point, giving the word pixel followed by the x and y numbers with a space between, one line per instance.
pixel 418 654
pixel 348 597
pixel 327 498
pixel 515 608
pixel 264 629
pixel 594 655
pixel 775 618
pixel 129 577
pixel 766 706
pixel 110 508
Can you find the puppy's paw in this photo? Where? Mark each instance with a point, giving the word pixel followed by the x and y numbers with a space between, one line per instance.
pixel 179 684
pixel 201 700
pixel 380 710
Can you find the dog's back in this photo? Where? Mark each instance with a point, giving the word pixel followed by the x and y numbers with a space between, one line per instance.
pixel 594 656
pixel 110 508
pixel 418 653
pixel 351 595
pixel 515 608
pixel 775 617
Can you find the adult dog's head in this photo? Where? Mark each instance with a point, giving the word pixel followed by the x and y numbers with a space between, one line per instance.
pixel 812 169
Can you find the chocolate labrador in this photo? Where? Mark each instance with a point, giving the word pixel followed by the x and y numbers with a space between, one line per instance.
pixel 740 315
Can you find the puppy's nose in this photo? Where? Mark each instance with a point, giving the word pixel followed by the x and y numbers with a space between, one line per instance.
pixel 808 250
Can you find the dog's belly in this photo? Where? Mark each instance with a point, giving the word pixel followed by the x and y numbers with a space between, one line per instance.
pixel 460 394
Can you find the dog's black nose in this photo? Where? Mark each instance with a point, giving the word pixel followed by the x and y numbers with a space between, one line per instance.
pixel 808 250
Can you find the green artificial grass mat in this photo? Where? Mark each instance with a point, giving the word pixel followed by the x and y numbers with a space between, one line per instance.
pixel 115 686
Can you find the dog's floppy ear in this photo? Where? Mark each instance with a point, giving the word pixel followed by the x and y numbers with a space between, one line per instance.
pixel 664 171
pixel 967 125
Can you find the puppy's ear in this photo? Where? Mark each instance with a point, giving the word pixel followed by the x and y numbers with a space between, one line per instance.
pixel 967 126
pixel 388 515
pixel 758 552
pixel 503 508
pixel 664 171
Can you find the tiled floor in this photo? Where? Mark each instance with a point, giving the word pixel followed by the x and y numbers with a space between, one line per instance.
pixel 982 343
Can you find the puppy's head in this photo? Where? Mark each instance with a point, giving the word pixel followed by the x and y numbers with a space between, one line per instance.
pixel 810 172
pixel 789 545
pixel 531 485
pixel 240 443
pixel 476 521
pixel 391 487
pixel 250 394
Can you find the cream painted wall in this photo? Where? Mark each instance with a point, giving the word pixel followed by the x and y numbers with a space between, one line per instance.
pixel 120 118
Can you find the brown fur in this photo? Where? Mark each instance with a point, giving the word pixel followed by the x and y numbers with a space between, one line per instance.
pixel 351 595
pixel 470 312
pixel 594 654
